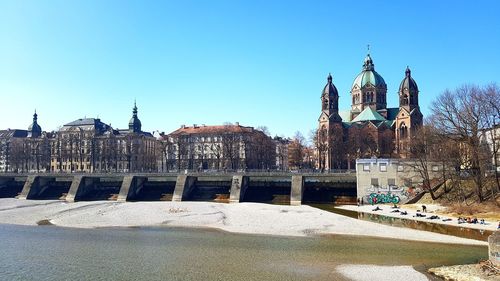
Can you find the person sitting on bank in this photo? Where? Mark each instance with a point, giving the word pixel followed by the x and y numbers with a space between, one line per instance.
pixel 404 213
pixel 424 209
pixel 377 209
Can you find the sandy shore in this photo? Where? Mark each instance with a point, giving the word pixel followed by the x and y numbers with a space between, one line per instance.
pixel 252 218
pixel 412 210
pixel 367 272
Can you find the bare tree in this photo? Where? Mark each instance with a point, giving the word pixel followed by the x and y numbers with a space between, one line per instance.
pixel 461 116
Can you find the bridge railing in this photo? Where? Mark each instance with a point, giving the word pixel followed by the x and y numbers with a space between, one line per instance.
pixel 250 172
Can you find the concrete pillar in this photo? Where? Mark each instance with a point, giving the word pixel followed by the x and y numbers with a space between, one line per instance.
pixel 297 190
pixel 239 185
pixel 80 185
pixel 494 248
pixel 27 187
pixel 183 187
pixel 131 185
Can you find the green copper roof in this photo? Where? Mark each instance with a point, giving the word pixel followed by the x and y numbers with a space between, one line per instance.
pixel 368 114
pixel 368 76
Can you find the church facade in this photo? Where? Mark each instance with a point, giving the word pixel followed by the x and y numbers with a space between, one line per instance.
pixel 369 128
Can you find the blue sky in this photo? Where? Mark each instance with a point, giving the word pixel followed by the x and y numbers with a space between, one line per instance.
pixel 257 62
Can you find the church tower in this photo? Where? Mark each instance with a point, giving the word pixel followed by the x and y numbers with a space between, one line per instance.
pixel 34 130
pixel 409 117
pixel 134 125
pixel 368 90
pixel 330 130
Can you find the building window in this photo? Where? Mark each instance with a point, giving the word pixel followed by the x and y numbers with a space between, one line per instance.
pixel 366 167
pixel 383 167
pixel 391 182
pixel 374 181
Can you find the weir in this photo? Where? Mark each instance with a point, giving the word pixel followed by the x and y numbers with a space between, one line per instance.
pixel 283 188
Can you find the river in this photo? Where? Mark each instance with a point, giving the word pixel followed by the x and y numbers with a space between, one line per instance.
pixel 55 253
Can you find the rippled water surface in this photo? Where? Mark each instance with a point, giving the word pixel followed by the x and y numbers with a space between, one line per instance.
pixel 53 253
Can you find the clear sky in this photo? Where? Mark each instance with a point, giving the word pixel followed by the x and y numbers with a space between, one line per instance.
pixel 258 62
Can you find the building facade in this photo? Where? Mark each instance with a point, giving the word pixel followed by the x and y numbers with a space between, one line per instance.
pixel 25 150
pixel 382 180
pixel 226 147
pixel 369 128
pixel 88 145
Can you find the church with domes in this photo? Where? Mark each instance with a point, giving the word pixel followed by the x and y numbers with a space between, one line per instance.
pixel 369 128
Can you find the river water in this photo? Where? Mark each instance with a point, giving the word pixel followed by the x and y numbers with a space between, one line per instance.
pixel 55 253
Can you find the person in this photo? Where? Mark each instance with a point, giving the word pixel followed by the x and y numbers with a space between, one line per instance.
pixel 362 201
pixel 424 208
pixel 404 213
pixel 358 201
pixel 377 209
pixel 498 225
pixel 482 221
pixel 474 220
pixel 469 220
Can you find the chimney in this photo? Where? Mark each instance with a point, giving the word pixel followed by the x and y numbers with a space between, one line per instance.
pixel 237 123
pixel 183 126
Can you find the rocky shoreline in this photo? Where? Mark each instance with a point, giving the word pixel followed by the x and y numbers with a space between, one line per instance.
pixel 482 271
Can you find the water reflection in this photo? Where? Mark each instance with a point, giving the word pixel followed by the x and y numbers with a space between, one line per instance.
pixel 53 253
pixel 458 231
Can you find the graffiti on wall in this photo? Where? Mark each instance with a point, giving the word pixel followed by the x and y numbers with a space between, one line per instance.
pixel 391 194
pixel 382 198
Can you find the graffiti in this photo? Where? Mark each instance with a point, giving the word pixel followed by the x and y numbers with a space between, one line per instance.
pixel 382 198
pixel 403 193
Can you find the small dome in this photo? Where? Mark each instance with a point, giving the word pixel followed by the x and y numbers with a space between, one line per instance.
pixel 34 127
pixel 408 82
pixel 368 75
pixel 134 123
pixel 330 89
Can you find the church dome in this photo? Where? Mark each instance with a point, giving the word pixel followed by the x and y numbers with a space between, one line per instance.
pixel 368 76
pixel 34 130
pixel 134 125
pixel 330 89
pixel 408 83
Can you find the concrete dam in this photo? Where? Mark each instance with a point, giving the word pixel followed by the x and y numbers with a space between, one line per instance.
pixel 271 187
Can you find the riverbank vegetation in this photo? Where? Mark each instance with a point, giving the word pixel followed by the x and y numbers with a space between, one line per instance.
pixel 462 136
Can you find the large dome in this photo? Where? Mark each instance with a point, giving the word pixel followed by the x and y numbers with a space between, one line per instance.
pixel 368 76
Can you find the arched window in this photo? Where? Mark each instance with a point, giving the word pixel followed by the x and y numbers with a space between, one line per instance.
pixel 403 131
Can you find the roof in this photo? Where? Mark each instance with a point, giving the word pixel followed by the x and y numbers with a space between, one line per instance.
pixel 408 83
pixel 368 75
pixel 87 124
pixel 220 129
pixel 369 114
pixel 392 113
pixel 13 133
pixel 329 88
